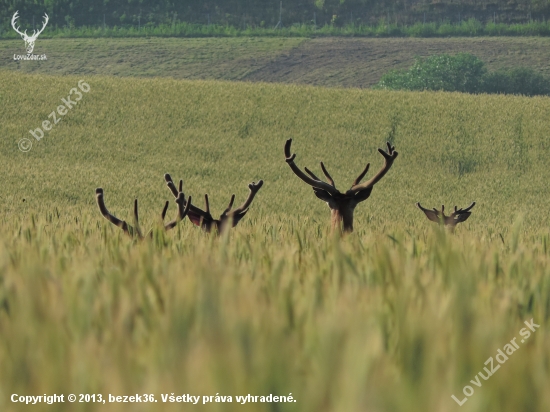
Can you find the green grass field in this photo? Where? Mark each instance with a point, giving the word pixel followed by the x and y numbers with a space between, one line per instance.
pixel 398 316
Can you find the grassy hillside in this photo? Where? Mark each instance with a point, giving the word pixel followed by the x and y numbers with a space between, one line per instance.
pixel 397 316
pixel 335 62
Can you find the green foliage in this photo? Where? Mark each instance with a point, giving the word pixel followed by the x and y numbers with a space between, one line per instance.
pixel 464 73
pixel 460 73
pixel 468 28
pixel 242 13
pixel 517 81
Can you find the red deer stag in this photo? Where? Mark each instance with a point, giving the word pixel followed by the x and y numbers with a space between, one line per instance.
pixel 204 219
pixel 459 215
pixel 135 231
pixel 342 205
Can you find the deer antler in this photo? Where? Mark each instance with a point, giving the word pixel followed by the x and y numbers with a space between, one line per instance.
pixel 183 209
pixel 458 216
pixel 461 215
pixel 204 219
pixel 183 206
pixel 113 219
pixel 13 20
pixel 239 213
pixel 133 231
pixel 342 205
pixel 314 181
pixel 389 158
pixel 433 215
pixel 229 206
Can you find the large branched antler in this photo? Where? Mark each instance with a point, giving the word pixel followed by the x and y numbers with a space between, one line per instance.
pixel 135 231
pixel 197 216
pixel 204 219
pixel 237 214
pixel 341 205
pixel 389 158
pixel 130 231
pixel 313 180
pixel 330 187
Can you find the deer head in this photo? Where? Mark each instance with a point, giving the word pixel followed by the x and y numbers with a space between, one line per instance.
pixel 135 231
pixel 204 219
pixel 29 40
pixel 342 205
pixel 459 215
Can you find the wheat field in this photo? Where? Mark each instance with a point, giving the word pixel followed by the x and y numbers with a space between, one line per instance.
pixel 398 316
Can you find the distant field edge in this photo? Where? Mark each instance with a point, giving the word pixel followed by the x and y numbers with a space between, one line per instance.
pixel 467 28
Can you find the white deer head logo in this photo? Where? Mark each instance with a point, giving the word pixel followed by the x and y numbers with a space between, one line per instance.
pixel 29 40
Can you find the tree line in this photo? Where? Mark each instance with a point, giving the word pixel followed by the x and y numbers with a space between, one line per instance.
pixel 262 13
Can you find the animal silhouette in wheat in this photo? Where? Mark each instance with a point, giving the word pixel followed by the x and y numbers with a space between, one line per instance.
pixel 229 218
pixel 135 230
pixel 439 216
pixel 342 205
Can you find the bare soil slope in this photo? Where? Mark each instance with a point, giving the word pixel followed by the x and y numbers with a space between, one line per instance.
pixel 361 62
pixel 335 62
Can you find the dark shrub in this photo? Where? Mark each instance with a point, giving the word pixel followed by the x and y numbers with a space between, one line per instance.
pixel 517 81
pixel 460 73
pixel 464 73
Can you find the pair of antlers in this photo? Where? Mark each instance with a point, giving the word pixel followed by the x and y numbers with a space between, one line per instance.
pixel 204 219
pixel 342 205
pixel 330 187
pixel 198 216
pixel 135 231
pixel 439 216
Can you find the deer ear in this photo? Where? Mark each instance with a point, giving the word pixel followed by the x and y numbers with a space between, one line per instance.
pixel 363 194
pixel 322 194
pixel 431 215
pixel 462 217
